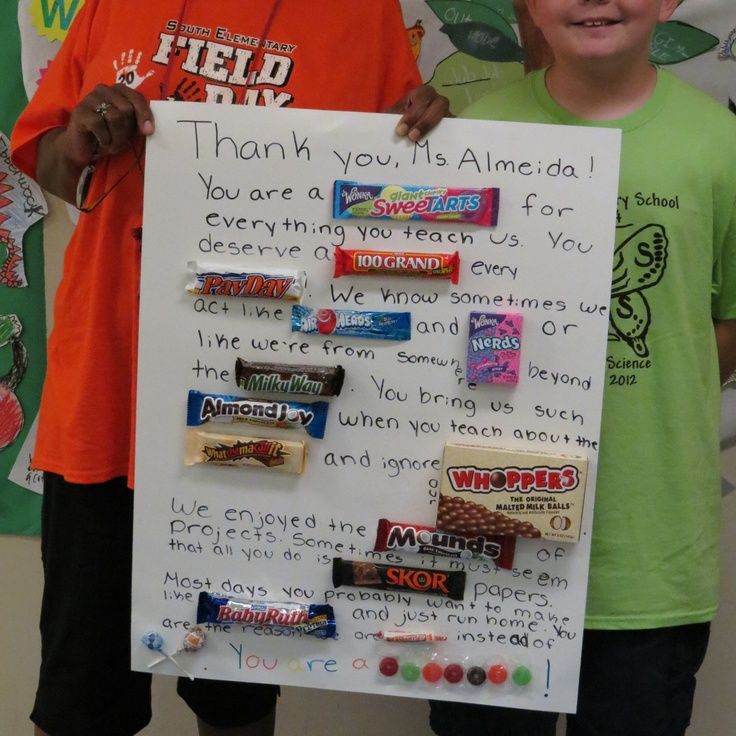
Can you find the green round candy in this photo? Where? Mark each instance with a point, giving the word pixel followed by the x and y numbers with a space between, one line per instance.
pixel 410 671
pixel 521 675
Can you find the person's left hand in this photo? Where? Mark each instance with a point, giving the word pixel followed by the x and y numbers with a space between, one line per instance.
pixel 421 110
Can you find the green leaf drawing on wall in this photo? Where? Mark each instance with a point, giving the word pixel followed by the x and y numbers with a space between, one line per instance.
pixel 675 41
pixel 483 42
pixel 454 12
pixel 463 79
pixel 505 8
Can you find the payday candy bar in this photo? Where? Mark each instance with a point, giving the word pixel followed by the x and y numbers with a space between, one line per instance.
pixel 204 407
pixel 315 380
pixel 429 540
pixel 396 202
pixel 237 451
pixel 275 283
pixel 351 323
pixel 427 265
pixel 309 618
pixel 450 584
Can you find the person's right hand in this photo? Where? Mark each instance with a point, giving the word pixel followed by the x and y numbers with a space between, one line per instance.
pixel 105 122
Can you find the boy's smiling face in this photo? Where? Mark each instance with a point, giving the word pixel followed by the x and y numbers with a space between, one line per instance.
pixel 594 30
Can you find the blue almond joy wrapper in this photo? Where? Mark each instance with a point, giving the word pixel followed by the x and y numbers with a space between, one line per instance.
pixel 206 407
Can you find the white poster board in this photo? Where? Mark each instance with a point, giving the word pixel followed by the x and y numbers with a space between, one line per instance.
pixel 255 185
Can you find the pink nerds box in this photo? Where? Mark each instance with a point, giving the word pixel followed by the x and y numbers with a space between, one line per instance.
pixel 494 347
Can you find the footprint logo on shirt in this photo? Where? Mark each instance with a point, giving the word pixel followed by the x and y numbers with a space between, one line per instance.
pixel 639 264
pixel 126 70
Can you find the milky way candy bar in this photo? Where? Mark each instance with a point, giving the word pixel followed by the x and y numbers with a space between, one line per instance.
pixel 238 451
pixel 314 380
pixel 205 407
pixel 409 202
pixel 450 584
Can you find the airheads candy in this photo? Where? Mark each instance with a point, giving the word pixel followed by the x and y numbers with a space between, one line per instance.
pixel 351 323
pixel 397 202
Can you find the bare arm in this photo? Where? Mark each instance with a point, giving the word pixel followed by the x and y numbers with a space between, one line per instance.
pixel 64 152
pixel 538 53
pixel 726 343
pixel 421 110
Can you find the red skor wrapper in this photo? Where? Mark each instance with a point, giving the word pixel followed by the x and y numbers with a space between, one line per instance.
pixel 429 540
pixel 425 265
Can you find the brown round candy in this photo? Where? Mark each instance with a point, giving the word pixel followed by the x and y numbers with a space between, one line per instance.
pixel 467 518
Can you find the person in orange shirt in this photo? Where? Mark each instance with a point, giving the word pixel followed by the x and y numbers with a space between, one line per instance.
pixel 91 114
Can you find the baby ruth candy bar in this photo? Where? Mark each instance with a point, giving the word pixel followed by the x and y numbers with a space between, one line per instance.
pixel 450 584
pixel 423 265
pixel 309 618
pixel 397 202
pixel 205 407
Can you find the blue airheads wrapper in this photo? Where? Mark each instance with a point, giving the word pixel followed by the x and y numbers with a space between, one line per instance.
pixel 204 407
pixel 351 323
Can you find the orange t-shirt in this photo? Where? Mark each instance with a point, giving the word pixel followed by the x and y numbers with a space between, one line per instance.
pixel 330 55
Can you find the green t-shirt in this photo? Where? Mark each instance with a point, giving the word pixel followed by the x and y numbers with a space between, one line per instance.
pixel 655 544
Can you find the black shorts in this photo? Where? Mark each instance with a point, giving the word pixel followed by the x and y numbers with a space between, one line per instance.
pixel 86 686
pixel 632 683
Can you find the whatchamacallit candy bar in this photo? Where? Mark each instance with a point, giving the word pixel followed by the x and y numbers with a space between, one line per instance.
pixel 309 618
pixel 351 323
pixel 204 407
pixel 272 283
pixel 425 265
pixel 393 535
pixel 314 380
pixel 397 202
pixel 450 584
pixel 239 451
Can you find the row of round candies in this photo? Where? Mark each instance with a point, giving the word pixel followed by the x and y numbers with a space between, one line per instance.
pixel 454 673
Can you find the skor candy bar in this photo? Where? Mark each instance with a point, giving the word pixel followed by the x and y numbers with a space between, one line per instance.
pixel 351 323
pixel 450 584
pixel 309 618
pixel 238 451
pixel 409 202
pixel 424 265
pixel 204 407
pixel 313 380
pixel 272 283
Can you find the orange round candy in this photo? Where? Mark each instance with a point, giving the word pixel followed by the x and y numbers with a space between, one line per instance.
pixel 432 672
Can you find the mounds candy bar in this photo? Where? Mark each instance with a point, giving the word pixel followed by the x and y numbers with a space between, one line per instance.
pixel 494 347
pixel 238 451
pixel 314 380
pixel 205 407
pixel 430 541
pixel 351 323
pixel 272 283
pixel 397 202
pixel 450 584
pixel 425 265
pixel 489 490
pixel 309 618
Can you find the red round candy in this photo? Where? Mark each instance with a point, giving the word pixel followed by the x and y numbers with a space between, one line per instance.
pixel 498 674
pixel 388 666
pixel 432 672
pixel 454 673
pixel 326 321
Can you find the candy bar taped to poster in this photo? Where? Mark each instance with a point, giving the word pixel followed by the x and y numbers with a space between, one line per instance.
pixel 374 475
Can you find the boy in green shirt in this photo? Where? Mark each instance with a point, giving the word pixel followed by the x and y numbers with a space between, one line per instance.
pixel 672 336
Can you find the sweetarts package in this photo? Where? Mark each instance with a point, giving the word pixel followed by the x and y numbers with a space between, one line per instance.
pixel 406 202
pixel 494 347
